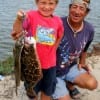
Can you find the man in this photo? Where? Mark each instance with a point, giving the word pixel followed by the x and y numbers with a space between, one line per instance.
pixel 78 35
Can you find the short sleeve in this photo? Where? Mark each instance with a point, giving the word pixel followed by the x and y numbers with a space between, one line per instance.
pixel 60 28
pixel 90 39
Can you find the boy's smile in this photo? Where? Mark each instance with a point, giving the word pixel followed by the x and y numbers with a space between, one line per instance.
pixel 46 7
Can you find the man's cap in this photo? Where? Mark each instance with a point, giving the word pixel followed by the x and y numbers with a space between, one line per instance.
pixel 86 2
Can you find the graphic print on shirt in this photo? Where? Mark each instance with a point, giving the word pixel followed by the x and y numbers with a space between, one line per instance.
pixel 45 35
pixel 66 54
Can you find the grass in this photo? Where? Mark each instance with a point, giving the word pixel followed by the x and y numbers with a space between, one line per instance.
pixel 6 66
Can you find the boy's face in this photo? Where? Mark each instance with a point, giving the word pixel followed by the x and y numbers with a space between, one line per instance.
pixel 46 7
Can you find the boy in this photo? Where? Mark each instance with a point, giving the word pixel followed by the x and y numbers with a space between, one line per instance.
pixel 47 29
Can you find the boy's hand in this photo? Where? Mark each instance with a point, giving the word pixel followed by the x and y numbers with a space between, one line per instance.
pixel 21 14
pixel 18 25
pixel 15 35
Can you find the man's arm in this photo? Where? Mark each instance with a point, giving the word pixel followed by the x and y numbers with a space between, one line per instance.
pixel 82 62
pixel 83 58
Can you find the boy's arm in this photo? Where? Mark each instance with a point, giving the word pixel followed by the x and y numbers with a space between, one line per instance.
pixel 58 41
pixel 17 25
pixel 60 33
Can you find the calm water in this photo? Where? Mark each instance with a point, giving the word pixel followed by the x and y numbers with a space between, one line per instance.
pixel 8 9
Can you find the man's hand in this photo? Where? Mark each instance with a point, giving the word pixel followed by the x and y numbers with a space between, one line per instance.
pixel 84 66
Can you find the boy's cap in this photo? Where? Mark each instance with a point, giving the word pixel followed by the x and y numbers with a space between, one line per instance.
pixel 86 2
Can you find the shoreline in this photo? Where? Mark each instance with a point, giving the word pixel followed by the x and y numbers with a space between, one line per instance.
pixel 7 86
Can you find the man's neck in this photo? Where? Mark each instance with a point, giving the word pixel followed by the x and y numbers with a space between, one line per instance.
pixel 76 27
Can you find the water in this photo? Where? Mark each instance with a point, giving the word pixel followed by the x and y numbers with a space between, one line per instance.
pixel 8 9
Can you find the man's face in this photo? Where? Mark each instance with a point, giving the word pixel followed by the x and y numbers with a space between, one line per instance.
pixel 77 12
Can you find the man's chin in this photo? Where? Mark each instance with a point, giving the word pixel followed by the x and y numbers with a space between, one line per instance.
pixel 75 20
